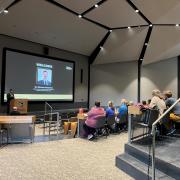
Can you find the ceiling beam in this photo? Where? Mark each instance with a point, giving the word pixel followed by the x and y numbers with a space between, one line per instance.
pixel 140 13
pixel 13 4
pixel 98 48
pixel 141 58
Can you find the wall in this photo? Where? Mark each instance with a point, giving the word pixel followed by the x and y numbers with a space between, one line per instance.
pixel 162 75
pixel 113 82
pixel 81 90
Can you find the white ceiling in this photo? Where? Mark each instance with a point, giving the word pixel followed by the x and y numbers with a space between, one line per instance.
pixel 122 45
pixel 42 22
pixel 164 43
pixel 116 13
pixel 78 6
pixel 160 11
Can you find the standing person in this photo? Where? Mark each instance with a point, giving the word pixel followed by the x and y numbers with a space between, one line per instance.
pixel 10 96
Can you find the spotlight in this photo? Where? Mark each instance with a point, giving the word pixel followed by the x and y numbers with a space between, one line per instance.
pixel 150 25
pixel 80 16
pixel 96 5
pixel 101 48
pixel 177 25
pixel 129 27
pixel 5 11
pixel 137 10
pixel 146 44
pixel 141 59
pixel 110 30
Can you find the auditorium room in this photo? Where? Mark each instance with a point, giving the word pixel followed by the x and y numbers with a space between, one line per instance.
pixel 90 89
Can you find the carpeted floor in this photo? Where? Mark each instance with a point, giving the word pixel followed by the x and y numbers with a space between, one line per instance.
pixel 69 159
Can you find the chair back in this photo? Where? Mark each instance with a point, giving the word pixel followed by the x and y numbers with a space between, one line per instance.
pixel 100 122
pixel 123 118
pixel 152 116
pixel 110 120
pixel 73 119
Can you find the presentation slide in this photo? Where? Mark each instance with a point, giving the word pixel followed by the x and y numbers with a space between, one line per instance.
pixel 38 78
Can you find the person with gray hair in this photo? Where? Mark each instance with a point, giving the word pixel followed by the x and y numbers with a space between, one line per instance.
pixel 157 101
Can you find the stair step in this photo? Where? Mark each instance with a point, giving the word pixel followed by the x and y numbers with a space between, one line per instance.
pixel 137 169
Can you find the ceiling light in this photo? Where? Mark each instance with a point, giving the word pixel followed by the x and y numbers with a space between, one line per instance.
pixel 5 11
pixel 96 5
pixel 129 27
pixel 150 25
pixel 141 59
pixel 110 30
pixel 101 47
pixel 80 16
pixel 137 10
pixel 177 25
pixel 146 44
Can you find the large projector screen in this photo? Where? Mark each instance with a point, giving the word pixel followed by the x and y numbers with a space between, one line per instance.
pixel 36 77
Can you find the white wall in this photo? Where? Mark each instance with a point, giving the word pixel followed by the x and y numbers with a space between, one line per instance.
pixel 113 82
pixel 162 75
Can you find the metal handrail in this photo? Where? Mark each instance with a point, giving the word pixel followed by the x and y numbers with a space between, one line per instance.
pixel 51 108
pixel 153 132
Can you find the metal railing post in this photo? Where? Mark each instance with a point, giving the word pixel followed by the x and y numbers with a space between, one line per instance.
pixel 153 132
pixel 129 128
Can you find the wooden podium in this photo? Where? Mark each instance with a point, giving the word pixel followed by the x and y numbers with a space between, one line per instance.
pixel 21 104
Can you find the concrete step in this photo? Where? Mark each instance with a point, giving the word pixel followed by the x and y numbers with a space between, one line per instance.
pixel 138 169
pixel 168 167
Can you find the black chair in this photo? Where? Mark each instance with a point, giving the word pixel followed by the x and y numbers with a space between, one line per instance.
pixel 123 121
pixel 151 116
pixel 109 122
pixel 3 131
pixel 100 126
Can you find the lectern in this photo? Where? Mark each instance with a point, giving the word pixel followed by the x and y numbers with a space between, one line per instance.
pixel 21 104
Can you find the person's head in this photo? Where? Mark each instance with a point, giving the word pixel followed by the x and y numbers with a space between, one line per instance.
pixel 110 104
pixel 130 103
pixel 14 108
pixel 144 102
pixel 11 90
pixel 156 92
pixel 97 103
pixel 45 74
pixel 149 101
pixel 123 101
pixel 167 94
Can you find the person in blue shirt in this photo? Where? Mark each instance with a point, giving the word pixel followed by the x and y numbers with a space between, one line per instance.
pixel 110 111
pixel 121 121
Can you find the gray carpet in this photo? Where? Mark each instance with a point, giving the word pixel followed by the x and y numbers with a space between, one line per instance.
pixel 69 159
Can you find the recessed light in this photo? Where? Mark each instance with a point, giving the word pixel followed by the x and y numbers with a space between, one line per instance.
pixel 137 10
pixel 96 5
pixel 80 16
pixel 150 25
pixel 129 27
pixel 177 25
pixel 110 30
pixel 6 11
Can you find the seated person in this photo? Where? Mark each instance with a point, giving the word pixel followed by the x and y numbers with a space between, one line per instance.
pixel 157 101
pixel 15 112
pixel 90 122
pixel 122 113
pixel 174 113
pixel 110 111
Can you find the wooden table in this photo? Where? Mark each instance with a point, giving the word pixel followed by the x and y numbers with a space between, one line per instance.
pixel 19 126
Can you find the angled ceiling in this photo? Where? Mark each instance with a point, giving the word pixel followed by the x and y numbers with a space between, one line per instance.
pixel 39 21
pixel 116 13
pixel 160 11
pixel 163 44
pixel 78 6
pixel 56 23
pixel 122 45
